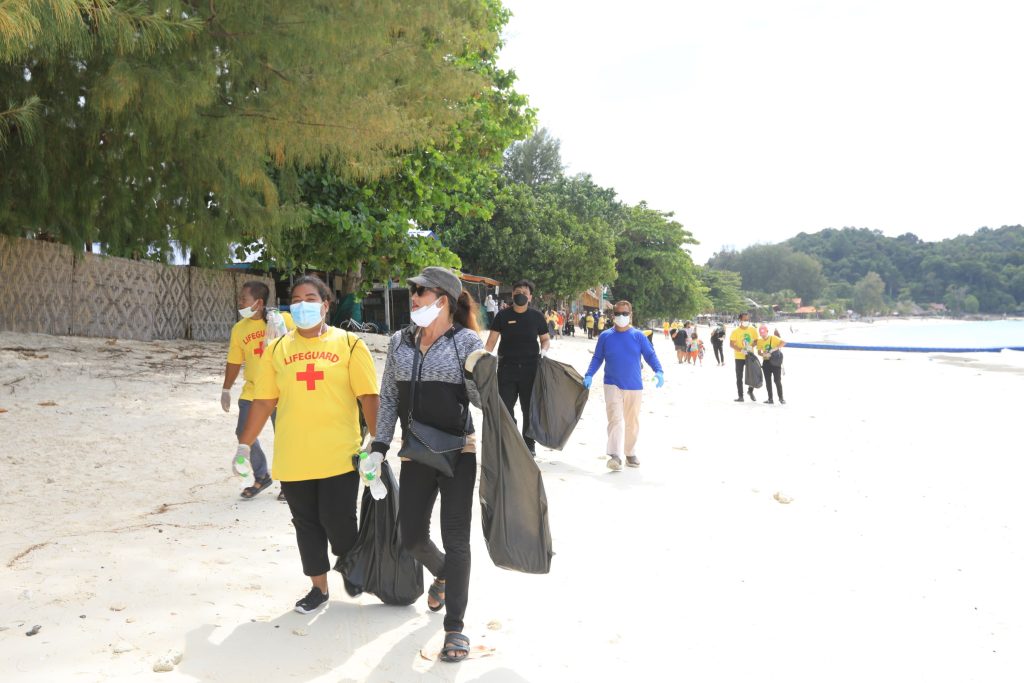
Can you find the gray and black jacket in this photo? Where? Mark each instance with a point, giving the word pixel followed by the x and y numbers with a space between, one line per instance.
pixel 444 390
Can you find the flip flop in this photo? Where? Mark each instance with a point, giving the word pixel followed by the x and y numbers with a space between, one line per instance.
pixel 435 591
pixel 454 644
pixel 250 492
pixel 475 652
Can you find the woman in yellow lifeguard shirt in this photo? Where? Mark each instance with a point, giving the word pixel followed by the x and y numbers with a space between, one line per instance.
pixel 248 340
pixel 314 376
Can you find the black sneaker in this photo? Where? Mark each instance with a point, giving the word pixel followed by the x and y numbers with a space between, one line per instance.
pixel 768 400
pixel 738 400
pixel 313 600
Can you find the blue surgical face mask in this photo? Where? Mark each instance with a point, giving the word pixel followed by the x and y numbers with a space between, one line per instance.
pixel 306 314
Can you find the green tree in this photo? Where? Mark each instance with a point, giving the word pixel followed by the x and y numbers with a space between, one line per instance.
pixel 360 228
pixel 559 235
pixel 535 161
pixel 723 290
pixel 868 294
pixel 774 267
pixel 655 273
pixel 182 142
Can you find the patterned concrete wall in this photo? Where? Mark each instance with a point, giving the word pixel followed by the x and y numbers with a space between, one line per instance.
pixel 35 286
pixel 113 297
pixel 173 316
pixel 51 289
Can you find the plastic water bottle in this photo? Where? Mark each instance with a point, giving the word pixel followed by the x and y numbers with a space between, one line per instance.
pixel 240 464
pixel 369 468
pixel 275 325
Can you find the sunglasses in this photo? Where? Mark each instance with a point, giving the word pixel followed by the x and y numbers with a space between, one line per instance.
pixel 419 290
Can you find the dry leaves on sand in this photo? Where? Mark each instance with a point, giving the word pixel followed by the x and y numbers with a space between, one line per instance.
pixel 48 404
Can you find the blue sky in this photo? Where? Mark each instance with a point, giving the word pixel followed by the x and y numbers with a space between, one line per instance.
pixel 756 120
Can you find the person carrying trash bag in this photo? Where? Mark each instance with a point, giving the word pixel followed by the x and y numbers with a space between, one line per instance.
pixel 426 387
pixel 317 377
pixel 519 329
pixel 557 403
pixel 743 340
pixel 513 503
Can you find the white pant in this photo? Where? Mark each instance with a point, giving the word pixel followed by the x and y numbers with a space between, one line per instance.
pixel 623 408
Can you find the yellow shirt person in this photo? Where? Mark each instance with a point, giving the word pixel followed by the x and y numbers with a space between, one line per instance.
pixel 769 343
pixel 247 346
pixel 316 382
pixel 743 337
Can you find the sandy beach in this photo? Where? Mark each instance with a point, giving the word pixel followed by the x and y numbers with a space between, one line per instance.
pixel 898 558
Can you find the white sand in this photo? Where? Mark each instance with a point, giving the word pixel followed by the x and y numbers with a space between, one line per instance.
pixel 899 558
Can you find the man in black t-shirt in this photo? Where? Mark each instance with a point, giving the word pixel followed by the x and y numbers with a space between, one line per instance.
pixel 519 328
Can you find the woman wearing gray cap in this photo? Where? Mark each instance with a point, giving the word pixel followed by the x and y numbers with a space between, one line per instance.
pixel 424 384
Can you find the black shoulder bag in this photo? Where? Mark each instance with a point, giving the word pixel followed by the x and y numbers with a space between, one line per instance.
pixel 425 444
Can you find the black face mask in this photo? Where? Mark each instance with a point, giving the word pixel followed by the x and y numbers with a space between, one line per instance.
pixel 519 299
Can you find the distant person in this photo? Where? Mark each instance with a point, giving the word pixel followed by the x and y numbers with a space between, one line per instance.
pixel 491 308
pixel 621 350
pixel 600 323
pixel 248 342
pixel 769 348
pixel 570 324
pixel 742 340
pixel 591 323
pixel 664 328
pixel 679 342
pixel 519 328
pixel 717 342
pixel 696 350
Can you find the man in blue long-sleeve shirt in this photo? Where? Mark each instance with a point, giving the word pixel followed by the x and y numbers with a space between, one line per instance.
pixel 620 349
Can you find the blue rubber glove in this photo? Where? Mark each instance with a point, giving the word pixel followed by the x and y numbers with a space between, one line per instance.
pixel 587 381
pixel 659 377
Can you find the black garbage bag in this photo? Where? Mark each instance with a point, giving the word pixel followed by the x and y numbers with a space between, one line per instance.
pixel 377 561
pixel 513 504
pixel 753 375
pixel 556 404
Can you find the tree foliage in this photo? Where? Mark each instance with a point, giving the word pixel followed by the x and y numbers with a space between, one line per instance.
pixel 162 121
pixel 535 161
pixel 655 273
pixel 773 267
pixel 360 228
pixel 723 290
pixel 560 235
pixel 868 294
pixel 988 263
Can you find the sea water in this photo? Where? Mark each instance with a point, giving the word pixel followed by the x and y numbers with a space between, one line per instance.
pixel 917 334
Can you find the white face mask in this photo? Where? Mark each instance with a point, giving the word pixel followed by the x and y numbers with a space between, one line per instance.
pixel 622 320
pixel 424 315
pixel 247 312
pixel 744 323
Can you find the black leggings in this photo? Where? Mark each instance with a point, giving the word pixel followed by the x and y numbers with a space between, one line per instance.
pixel 323 510
pixel 418 487
pixel 719 353
pixel 772 371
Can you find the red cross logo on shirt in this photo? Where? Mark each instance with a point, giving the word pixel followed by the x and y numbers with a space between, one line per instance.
pixel 258 351
pixel 310 376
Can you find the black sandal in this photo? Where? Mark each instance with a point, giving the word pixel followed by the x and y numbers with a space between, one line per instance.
pixel 435 591
pixel 250 492
pixel 454 643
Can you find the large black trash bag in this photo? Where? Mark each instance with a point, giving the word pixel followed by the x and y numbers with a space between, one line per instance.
pixel 513 505
pixel 377 561
pixel 754 376
pixel 556 404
